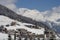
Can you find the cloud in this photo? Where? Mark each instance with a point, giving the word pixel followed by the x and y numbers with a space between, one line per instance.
pixel 54 14
pixel 51 15
pixel 9 3
pixel 34 14
pixel 11 6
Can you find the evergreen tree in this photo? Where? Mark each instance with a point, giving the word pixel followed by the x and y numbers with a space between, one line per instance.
pixel 9 37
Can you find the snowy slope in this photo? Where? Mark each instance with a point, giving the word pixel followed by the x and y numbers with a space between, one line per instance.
pixel 3 36
pixel 5 20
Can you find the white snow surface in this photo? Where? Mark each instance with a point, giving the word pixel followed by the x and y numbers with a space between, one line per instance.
pixel 36 31
pixel 3 36
pixel 5 20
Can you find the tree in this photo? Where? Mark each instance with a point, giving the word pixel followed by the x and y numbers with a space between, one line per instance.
pixel 1 28
pixel 5 30
pixel 15 35
pixel 9 37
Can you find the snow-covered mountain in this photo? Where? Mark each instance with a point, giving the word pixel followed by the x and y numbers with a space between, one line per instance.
pixel 21 22
pixel 7 12
pixel 7 21
pixel 4 21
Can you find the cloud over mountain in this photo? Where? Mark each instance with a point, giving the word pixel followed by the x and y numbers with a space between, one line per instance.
pixel 34 14
pixel 9 3
pixel 51 15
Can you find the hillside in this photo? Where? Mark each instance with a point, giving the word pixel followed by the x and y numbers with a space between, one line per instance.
pixel 11 22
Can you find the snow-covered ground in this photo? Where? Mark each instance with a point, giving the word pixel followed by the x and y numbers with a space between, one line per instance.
pixel 5 20
pixel 3 36
pixel 36 31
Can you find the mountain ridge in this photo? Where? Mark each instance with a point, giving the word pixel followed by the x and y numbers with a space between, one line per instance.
pixel 7 12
